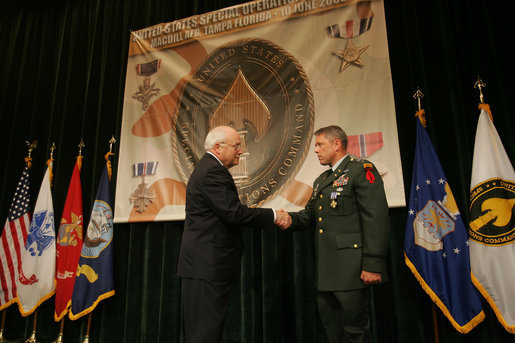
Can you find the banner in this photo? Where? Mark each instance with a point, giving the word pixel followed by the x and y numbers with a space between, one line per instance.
pixel 12 241
pixel 492 221
pixel 436 241
pixel 37 273
pixel 276 71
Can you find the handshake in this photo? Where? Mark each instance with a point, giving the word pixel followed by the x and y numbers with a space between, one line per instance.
pixel 283 219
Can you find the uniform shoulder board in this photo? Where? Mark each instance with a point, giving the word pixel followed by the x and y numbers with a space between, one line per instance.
pixel 356 159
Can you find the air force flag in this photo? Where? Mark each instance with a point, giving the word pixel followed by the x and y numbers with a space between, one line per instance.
pixel 436 241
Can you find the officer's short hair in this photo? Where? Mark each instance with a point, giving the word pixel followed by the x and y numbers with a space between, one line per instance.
pixel 333 132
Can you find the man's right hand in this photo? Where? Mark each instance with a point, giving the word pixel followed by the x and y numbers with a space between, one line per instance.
pixel 283 219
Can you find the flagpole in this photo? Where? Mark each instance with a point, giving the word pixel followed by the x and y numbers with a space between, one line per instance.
pixel 59 338
pixel 2 339
pixel 28 160
pixel 31 147
pixel 435 325
pixel 86 338
pixel 421 116
pixel 32 338
pixel 480 84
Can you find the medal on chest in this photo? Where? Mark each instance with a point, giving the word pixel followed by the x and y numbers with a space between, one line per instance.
pixel 333 197
pixel 341 181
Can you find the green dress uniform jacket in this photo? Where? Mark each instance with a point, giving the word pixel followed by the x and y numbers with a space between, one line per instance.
pixel 349 212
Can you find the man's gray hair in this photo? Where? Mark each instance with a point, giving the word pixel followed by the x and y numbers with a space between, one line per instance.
pixel 216 135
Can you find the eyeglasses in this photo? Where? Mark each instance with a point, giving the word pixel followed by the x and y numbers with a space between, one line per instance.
pixel 236 147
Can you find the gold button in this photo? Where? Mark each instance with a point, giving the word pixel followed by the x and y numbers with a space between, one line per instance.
pixel 321 196
pixel 319 207
pixel 355 245
pixel 321 231
pixel 319 219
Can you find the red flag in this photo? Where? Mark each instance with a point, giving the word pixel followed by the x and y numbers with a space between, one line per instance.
pixel 69 244
pixel 12 241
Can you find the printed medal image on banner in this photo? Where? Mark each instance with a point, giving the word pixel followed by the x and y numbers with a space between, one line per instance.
pixel 275 72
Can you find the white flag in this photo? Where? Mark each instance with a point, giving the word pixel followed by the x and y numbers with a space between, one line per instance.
pixel 491 227
pixel 37 275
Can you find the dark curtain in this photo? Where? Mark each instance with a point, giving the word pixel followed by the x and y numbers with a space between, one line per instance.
pixel 62 78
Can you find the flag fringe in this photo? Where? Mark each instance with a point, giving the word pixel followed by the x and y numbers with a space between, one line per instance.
pixel 9 303
pixel 462 329
pixel 49 163
pixel 42 300
pixel 58 318
pixel 109 165
pixel 486 107
pixel 421 115
pixel 79 161
pixel 28 161
pixel 92 307
pixel 486 295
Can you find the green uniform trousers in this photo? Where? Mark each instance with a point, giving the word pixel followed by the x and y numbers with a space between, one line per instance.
pixel 344 315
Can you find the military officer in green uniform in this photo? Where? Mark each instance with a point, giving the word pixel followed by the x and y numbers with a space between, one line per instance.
pixel 349 212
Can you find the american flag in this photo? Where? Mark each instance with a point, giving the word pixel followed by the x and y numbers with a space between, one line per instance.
pixel 12 241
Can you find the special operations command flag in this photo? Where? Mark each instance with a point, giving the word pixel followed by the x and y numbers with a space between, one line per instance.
pixel 95 280
pixel 436 242
pixel 492 221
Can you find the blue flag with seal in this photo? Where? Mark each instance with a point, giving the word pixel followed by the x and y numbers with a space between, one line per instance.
pixel 436 241
pixel 95 280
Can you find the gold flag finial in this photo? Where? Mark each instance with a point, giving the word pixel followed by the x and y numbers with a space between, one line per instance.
pixel 50 163
pixel 418 95
pixel 480 84
pixel 79 158
pixel 421 114
pixel 31 147
pixel 81 145
pixel 52 149
pixel 110 153
pixel 111 142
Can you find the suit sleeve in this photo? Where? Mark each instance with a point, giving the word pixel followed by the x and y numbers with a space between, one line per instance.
pixel 222 197
pixel 373 210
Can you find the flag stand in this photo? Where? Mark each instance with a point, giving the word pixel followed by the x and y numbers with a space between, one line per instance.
pixel 32 338
pixel 2 339
pixel 59 338
pixel 86 338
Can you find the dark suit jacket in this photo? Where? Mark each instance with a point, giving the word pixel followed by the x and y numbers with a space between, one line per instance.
pixel 212 243
pixel 351 232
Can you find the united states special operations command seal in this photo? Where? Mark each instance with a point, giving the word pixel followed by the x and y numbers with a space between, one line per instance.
pixel 262 92
pixel 492 219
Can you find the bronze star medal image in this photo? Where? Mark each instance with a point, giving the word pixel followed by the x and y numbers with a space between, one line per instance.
pixel 350 29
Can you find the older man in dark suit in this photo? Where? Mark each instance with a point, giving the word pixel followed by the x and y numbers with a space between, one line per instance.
pixel 211 248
